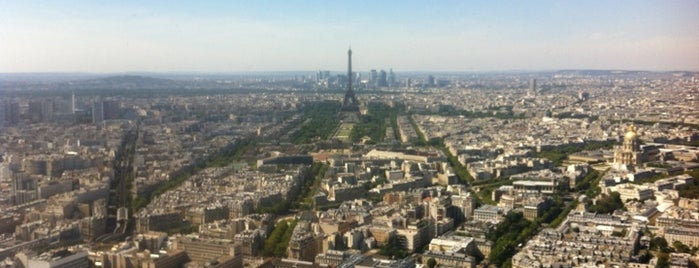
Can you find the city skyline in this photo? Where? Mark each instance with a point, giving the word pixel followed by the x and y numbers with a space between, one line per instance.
pixel 412 36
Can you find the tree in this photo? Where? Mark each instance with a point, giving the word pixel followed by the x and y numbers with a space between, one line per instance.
pixel 431 263
pixel 319 121
pixel 691 190
pixel 681 248
pixel 513 230
pixel 659 243
pixel 393 249
pixel 663 260
pixel 374 124
pixel 276 243
pixel 608 203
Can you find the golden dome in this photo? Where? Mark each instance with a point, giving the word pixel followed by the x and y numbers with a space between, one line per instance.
pixel 631 133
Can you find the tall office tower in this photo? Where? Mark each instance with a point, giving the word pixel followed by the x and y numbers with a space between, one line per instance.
pixel 350 103
pixel 391 78
pixel 2 113
pixel 34 111
pixel 383 79
pixel 97 112
pixel 12 113
pixel 72 102
pixel 47 110
pixel 532 85
pixel 111 109
pixel 430 81
pixel 61 106
pixel 373 78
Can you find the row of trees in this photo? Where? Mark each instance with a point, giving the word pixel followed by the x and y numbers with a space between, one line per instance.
pixel 501 112
pixel 310 186
pixel 507 236
pixel 650 123
pixel 320 121
pixel 301 198
pixel 275 209
pixel 375 123
pixel 276 243
pixel 662 249
pixel 460 171
pixel 561 152
pixel 587 181
pixel 123 177
pixel 223 157
pixel 515 230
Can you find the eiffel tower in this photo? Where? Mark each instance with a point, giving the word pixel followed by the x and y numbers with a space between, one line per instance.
pixel 350 102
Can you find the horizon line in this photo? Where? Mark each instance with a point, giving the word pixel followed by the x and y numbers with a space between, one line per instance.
pixel 339 71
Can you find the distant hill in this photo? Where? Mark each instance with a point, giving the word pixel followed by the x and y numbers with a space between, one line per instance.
pixel 122 82
pixel 107 84
pixel 152 83
pixel 622 73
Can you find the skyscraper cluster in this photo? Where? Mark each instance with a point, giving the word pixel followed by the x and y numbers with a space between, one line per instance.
pixel 321 75
pixel 381 78
pixel 105 110
pixel 38 110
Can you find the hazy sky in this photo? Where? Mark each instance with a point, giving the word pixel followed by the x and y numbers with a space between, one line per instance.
pixel 163 36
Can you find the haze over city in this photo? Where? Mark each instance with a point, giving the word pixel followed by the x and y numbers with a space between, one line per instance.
pixel 349 134
pixel 161 36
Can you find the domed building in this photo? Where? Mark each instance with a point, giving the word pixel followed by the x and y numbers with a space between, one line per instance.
pixel 629 154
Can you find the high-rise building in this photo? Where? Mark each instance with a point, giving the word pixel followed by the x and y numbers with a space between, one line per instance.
pixel 2 113
pixel 111 109
pixel 72 102
pixel 391 78
pixel 12 113
pixel 47 110
pixel 40 111
pixel 97 112
pixel 322 75
pixel 430 81
pixel 532 85
pixel 61 106
pixel 383 79
pixel 34 111
pixel 373 78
